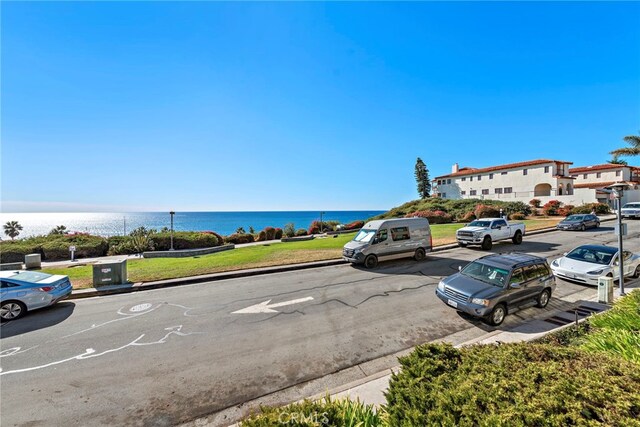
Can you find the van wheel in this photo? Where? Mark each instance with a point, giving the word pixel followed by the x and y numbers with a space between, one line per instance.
pixel 543 298
pixel 462 244
pixel 420 254
pixel 497 315
pixel 487 244
pixel 517 238
pixel 371 261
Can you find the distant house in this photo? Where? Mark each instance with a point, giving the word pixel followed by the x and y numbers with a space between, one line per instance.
pixel 541 179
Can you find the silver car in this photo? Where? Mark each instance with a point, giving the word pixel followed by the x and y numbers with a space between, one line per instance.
pixel 586 263
pixel 22 291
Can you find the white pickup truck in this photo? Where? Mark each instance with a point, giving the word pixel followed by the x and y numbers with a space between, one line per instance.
pixel 485 231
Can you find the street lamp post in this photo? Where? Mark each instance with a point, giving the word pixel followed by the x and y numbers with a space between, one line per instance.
pixel 172 213
pixel 618 190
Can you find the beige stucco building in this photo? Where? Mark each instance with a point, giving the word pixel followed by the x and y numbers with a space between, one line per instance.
pixel 541 179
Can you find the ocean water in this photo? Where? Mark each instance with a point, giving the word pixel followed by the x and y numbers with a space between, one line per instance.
pixel 225 223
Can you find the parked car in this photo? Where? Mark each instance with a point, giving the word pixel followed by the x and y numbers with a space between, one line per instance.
pixel 586 263
pixel 485 231
pixel 631 210
pixel 491 286
pixel 389 239
pixel 22 291
pixel 579 222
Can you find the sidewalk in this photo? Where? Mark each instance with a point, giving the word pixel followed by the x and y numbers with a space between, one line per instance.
pixel 371 389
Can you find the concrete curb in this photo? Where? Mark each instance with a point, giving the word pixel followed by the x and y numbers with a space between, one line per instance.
pixel 143 286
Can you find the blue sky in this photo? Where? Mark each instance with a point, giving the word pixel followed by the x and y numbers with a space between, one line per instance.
pixel 119 106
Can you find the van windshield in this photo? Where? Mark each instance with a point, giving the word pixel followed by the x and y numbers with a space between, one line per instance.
pixel 486 273
pixel 364 236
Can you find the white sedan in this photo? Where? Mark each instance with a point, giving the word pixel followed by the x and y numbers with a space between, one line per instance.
pixel 586 263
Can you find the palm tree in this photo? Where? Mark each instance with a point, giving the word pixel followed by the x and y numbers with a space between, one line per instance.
pixel 634 150
pixel 12 229
pixel 615 160
pixel 60 229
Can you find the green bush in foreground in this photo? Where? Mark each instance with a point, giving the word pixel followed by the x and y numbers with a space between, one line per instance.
pixel 327 412
pixel 513 385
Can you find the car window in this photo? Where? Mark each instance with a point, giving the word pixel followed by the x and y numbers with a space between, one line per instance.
pixel 400 233
pixel 382 235
pixel 530 272
pixel 501 223
pixel 4 284
pixel 543 270
pixel 516 277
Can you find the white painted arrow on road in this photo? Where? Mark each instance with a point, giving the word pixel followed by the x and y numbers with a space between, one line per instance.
pixel 265 307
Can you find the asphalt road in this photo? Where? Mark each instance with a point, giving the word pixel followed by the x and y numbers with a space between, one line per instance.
pixel 168 356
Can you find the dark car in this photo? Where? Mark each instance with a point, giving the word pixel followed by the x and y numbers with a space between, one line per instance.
pixel 490 286
pixel 579 222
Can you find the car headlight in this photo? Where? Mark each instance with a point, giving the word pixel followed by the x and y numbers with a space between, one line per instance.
pixel 480 301
pixel 477 234
pixel 441 286
pixel 556 263
pixel 596 271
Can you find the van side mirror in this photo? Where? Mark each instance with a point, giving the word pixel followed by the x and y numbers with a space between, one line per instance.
pixel 375 241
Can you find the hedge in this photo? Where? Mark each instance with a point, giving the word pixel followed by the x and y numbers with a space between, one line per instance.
pixel 238 238
pixel 520 384
pixel 53 247
pixel 184 240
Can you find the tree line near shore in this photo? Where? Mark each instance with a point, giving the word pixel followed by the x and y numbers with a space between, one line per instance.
pixel 55 245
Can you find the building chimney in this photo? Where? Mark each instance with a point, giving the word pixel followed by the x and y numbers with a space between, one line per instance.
pixel 455 168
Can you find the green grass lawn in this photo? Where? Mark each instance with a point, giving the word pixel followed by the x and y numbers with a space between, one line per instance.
pixel 267 255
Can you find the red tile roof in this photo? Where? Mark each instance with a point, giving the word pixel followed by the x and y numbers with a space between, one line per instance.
pixel 608 166
pixel 598 185
pixel 471 171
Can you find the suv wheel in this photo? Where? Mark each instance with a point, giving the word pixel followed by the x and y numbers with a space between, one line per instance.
pixel 543 298
pixel 497 315
pixel 371 261
pixel 487 244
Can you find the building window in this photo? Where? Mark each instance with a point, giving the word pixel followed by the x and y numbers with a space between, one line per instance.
pixel 508 190
pixel 485 191
pixel 503 173
pixel 524 171
pixel 464 178
pixel 498 190
pixel 449 181
pixel 462 193
pixel 598 174
pixel 472 192
pixel 490 176
pixel 479 177
pixel 444 195
pixel 617 173
pixel 470 178
pixel 585 176
pixel 546 169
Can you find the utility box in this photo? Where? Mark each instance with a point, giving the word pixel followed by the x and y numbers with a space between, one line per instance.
pixel 32 261
pixel 110 273
pixel 605 290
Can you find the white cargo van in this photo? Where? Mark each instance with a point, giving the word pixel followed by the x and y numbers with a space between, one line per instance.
pixel 389 239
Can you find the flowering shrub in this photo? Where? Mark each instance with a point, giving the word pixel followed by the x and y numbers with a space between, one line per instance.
pixel 278 233
pixel 551 207
pixel 237 238
pixel 262 236
pixel 486 211
pixel 434 217
pixel 301 232
pixel 468 217
pixel 600 208
pixel 535 203
pixel 270 232
pixel 354 225
pixel 565 210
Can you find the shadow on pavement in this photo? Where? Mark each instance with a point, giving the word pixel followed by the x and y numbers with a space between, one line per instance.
pixel 38 319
